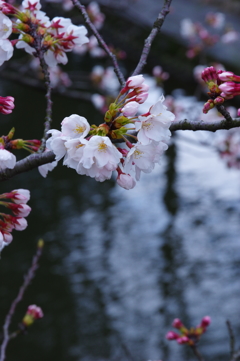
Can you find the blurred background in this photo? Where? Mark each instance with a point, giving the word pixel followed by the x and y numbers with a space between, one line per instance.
pixel 118 266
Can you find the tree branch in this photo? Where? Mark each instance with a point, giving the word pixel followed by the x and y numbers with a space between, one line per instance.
pixel 27 279
pixel 231 338
pixel 26 164
pixel 36 159
pixel 200 125
pixel 48 118
pixel 84 13
pixel 148 42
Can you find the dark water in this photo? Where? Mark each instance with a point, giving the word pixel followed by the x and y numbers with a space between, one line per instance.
pixel 119 266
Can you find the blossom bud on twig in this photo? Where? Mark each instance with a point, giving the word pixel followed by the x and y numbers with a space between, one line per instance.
pixel 33 313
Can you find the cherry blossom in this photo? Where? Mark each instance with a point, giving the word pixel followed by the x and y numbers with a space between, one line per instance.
pixel 7 159
pixel 5 26
pixel 155 125
pixel 75 126
pixel 6 50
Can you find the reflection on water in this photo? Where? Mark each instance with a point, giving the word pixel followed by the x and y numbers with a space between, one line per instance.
pixel 120 265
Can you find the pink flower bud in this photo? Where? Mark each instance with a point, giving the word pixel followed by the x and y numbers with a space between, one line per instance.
pixel 142 89
pixel 206 321
pixel 238 112
pixel 35 311
pixel 134 81
pixel 130 109
pixel 126 181
pixel 140 98
pixel 172 335
pixel 230 88
pixel 7 237
pixel 182 340
pixel 219 100
pixel 20 196
pixel 209 74
pixel 6 104
pixel 208 105
pixel 20 224
pixel 20 210
pixel 177 323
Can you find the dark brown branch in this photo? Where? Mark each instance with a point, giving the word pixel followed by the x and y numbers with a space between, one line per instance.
pixel 26 164
pixel 197 353
pixel 148 42
pixel 231 338
pixel 224 112
pixel 102 43
pixel 35 160
pixel 201 125
pixel 27 280
pixel 48 118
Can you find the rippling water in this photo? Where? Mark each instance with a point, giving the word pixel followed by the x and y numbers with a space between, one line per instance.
pixel 120 265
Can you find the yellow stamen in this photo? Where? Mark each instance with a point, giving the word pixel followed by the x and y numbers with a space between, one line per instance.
pixel 102 147
pixel 137 154
pixel 79 129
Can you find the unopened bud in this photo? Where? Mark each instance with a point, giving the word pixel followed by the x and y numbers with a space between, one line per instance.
pixel 172 335
pixel 33 313
pixel 208 105
pixel 177 323
pixel 206 321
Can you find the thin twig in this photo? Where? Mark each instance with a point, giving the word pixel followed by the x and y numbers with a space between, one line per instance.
pixel 84 13
pixel 155 30
pixel 231 338
pixel 197 353
pixel 48 118
pixel 27 279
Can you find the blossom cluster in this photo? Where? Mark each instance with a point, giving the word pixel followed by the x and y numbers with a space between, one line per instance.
pixel 38 34
pixel 16 202
pixel 199 36
pixel 223 85
pixel 188 336
pixel 97 151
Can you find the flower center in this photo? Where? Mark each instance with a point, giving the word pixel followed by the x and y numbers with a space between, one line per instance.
pixel 79 129
pixel 137 154
pixel 102 147
pixel 147 125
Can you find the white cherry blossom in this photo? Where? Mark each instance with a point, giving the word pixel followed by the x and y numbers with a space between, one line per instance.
pixel 100 158
pixel 56 143
pixel 102 152
pixel 5 26
pixel 155 126
pixel 143 158
pixel 7 159
pixel 53 58
pixel 75 126
pixel 6 50
pixel 74 154
pixel 31 4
